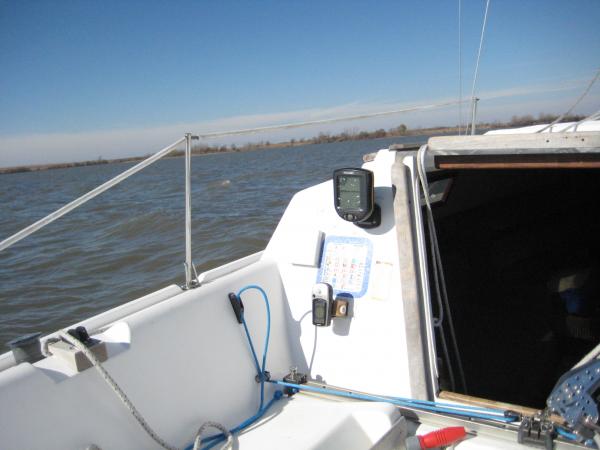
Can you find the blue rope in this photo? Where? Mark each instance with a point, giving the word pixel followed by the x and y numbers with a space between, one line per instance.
pixel 211 441
pixel 567 435
pixel 480 409
pixel 420 404
pixel 260 369
pixel 573 437
pixel 465 411
pixel 214 440
pixel 251 346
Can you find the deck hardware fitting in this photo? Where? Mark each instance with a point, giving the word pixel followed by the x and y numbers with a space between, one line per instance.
pixel 537 431
pixel 238 307
pixel 294 377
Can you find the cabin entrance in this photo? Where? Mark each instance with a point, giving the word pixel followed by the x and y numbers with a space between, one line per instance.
pixel 521 257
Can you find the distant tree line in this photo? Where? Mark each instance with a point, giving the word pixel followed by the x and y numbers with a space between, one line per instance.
pixel 321 138
pixel 400 130
pixel 528 119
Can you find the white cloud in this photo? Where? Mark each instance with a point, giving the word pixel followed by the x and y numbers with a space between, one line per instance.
pixel 499 104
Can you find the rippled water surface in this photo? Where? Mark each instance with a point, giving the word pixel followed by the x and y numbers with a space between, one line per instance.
pixel 129 241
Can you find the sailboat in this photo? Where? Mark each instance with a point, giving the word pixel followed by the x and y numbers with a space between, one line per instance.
pixel 432 296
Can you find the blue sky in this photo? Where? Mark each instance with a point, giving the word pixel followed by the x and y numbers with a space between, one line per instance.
pixel 80 79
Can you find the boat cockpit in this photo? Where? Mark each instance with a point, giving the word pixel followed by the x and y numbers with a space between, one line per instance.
pixel 450 286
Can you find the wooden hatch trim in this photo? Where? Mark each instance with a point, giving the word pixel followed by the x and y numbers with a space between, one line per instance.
pixel 520 161
pixel 483 402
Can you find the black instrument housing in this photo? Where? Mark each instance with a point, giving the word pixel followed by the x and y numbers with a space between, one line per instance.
pixel 348 208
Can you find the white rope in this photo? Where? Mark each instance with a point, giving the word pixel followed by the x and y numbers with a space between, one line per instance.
pixel 115 387
pixel 581 97
pixel 485 16
pixel 425 188
pixel 228 437
pixel 130 406
pixel 438 270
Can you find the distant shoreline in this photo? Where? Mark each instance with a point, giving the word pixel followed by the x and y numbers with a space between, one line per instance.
pixel 322 138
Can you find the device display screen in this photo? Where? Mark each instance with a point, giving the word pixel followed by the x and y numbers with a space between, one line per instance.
pixel 349 192
pixel 354 194
pixel 320 312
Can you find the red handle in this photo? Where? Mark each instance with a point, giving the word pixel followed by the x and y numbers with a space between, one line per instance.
pixel 442 438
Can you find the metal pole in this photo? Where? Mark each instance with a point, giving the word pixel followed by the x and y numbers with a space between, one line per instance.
pixel 189 283
pixel 474 116
pixel 84 198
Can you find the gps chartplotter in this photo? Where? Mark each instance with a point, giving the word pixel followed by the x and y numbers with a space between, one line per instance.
pixel 322 298
pixel 354 196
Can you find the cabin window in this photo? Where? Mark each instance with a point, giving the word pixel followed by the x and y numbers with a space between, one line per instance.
pixel 521 256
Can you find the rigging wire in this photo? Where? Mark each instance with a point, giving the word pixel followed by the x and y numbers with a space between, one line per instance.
pixel 485 16
pixel 287 126
pixel 581 97
pixel 459 67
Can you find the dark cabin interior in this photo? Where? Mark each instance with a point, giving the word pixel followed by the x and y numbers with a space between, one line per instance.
pixel 521 252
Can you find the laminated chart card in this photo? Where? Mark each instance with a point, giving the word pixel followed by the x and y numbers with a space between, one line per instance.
pixel 346 265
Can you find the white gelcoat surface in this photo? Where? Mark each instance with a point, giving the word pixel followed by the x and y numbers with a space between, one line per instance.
pixel 187 362
pixel 367 351
pixel 183 359
pixel 308 422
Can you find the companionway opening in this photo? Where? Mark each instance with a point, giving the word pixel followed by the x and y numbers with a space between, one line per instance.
pixel 521 255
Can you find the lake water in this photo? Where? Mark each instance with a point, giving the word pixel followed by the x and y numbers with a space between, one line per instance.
pixel 129 241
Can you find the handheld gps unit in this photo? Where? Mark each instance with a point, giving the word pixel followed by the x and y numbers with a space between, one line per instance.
pixel 354 197
pixel 322 298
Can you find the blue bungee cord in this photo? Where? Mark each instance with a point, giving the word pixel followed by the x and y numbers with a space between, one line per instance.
pixel 216 439
pixel 259 369
pixel 573 437
pixel 425 405
pixel 474 412
pixel 211 441
pixel 567 435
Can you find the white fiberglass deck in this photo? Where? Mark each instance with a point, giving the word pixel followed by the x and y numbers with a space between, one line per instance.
pixel 183 359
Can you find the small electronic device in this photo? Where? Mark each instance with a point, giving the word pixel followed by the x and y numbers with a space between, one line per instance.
pixel 354 197
pixel 322 298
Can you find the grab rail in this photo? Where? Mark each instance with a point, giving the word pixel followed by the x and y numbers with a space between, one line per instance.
pixel 189 269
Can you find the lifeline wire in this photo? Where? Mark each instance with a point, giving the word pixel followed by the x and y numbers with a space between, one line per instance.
pixel 287 126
